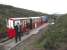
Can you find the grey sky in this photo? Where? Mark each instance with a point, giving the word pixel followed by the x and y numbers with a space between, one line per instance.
pixel 45 6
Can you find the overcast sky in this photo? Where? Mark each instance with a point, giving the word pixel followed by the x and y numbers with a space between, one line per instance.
pixel 45 6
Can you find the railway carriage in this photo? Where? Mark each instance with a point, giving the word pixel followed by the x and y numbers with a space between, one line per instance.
pixel 35 22
pixel 44 19
pixel 27 24
pixel 13 21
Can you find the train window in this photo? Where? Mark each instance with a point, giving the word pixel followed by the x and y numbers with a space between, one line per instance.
pixel 28 21
pixel 18 21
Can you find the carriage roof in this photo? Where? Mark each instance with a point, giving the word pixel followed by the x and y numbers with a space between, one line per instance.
pixel 24 18
pixel 34 17
pixel 19 18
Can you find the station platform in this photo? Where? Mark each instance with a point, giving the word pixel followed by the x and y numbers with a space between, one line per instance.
pixel 11 43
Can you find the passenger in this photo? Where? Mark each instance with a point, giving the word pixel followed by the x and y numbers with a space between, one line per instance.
pixel 21 31
pixel 27 25
pixel 30 24
pixel 18 32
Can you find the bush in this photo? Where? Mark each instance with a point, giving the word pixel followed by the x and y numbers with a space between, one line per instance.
pixel 56 34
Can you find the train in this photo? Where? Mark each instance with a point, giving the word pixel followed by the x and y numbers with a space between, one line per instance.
pixel 27 24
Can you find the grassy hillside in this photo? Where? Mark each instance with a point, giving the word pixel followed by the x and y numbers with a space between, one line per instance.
pixel 56 36
pixel 6 10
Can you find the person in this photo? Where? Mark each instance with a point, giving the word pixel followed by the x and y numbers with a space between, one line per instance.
pixel 18 32
pixel 30 24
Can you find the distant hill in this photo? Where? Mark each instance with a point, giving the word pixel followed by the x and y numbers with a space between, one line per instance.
pixel 58 15
pixel 10 11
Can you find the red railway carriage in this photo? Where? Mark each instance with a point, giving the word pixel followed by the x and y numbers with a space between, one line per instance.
pixel 13 21
pixel 26 23
pixel 35 22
